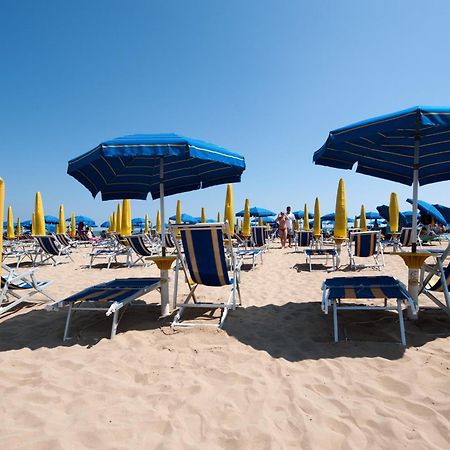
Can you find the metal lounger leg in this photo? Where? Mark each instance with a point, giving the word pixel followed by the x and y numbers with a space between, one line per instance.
pixel 66 328
pixel 335 321
pixel 401 322
pixel 115 323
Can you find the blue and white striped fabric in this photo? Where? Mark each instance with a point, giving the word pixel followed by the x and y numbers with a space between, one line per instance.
pixel 383 146
pixel 129 166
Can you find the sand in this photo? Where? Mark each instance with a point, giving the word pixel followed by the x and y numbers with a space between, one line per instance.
pixel 273 378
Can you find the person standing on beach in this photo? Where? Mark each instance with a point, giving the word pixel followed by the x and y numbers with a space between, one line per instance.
pixel 282 228
pixel 290 225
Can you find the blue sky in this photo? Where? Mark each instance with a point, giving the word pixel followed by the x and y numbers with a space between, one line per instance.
pixel 267 79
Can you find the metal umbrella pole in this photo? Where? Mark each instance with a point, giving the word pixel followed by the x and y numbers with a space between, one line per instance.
pixel 165 307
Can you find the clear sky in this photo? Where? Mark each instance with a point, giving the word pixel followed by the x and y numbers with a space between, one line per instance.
pixel 266 79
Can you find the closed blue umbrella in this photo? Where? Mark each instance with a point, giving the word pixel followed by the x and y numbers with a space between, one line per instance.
pixel 257 212
pixel 409 147
pixel 429 209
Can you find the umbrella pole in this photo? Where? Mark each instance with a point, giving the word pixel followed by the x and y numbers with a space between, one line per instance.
pixel 165 307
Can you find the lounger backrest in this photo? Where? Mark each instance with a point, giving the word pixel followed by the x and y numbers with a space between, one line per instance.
pixel 304 238
pixel 137 243
pixel 168 240
pixel 205 254
pixel 406 237
pixel 48 244
pixel 439 287
pixel 63 239
pixel 365 243
pixel 258 236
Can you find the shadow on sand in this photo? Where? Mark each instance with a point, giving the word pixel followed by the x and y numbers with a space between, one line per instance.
pixel 299 331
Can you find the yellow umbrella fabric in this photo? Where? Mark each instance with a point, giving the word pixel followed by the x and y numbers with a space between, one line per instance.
pixel 203 216
pixel 356 223
pixel 33 225
pixel 306 218
pixel 146 230
pixel 126 228
pixel 2 213
pixel 18 228
pixel 178 213
pixel 317 230
pixel 246 226
pixel 10 224
pixel 158 222
pixel 393 213
pixel 118 218
pixel 260 221
pixel 73 226
pixel 113 222
pixel 362 219
pixel 229 208
pixel 39 215
pixel 218 217
pixel 340 220
pixel 62 220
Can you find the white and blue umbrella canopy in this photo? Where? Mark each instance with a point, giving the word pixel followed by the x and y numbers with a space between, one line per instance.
pixel 85 219
pixel 105 224
pixel 444 210
pixel 257 212
pixel 427 208
pixel 409 147
pixel 131 166
pixel 48 219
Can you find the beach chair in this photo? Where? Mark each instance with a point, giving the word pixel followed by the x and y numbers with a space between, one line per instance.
pixel 321 254
pixel 110 252
pixel 66 241
pixel 110 297
pixel 356 288
pixel 302 239
pixel 51 249
pixel 259 238
pixel 138 245
pixel 17 288
pixel 259 245
pixel 204 263
pixel 436 279
pixel 364 244
pixel 404 239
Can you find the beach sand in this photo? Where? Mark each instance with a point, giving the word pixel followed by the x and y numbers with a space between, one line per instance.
pixel 272 378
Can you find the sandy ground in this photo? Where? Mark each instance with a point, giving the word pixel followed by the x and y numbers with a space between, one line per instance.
pixel 272 378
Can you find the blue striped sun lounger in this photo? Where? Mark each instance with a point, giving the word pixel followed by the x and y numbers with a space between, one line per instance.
pixel 205 263
pixel 365 244
pixel 110 297
pixel 357 288
pixel 51 249
pixel 321 254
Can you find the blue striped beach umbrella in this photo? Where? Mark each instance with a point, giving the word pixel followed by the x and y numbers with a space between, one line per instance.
pixel 409 147
pixel 105 224
pixel 48 219
pixel 301 214
pixel 159 164
pixel 85 219
pixel 186 219
pixel 257 212
pixel 427 208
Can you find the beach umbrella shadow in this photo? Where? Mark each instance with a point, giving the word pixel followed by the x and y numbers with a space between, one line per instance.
pixel 300 331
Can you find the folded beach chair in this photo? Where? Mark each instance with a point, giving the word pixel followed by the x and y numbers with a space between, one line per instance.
pixel 205 263
pixel 111 297
pixel 436 278
pixel 51 249
pixel 364 244
pixel 139 246
pixel 18 288
pixel 302 239
pixel 356 288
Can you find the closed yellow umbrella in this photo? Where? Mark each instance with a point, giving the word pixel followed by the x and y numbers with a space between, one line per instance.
pixel 18 228
pixel 218 216
pixel 178 213
pixel 362 219
pixel 118 218
pixel 203 216
pixel 260 221
pixel 306 218
pixel 317 229
pixel 126 228
pixel 356 223
pixel 158 222
pixel 39 215
pixel 229 208
pixel 2 213
pixel 10 224
pixel 62 220
pixel 146 228
pixel 393 213
pixel 340 220
pixel 246 226
pixel 73 226
pixel 112 225
pixel 33 225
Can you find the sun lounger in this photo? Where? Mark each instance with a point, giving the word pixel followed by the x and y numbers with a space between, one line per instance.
pixel 356 288
pixel 259 245
pixel 139 246
pixel 302 239
pixel 204 263
pixel 66 241
pixel 320 254
pixel 110 297
pixel 17 288
pixel 51 249
pixel 364 244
